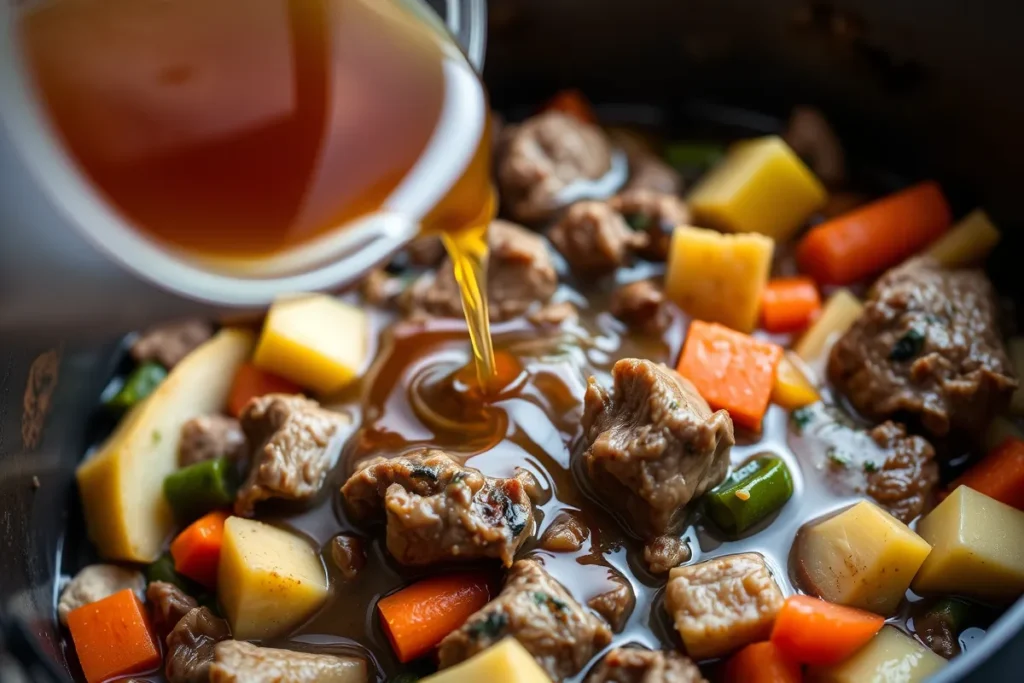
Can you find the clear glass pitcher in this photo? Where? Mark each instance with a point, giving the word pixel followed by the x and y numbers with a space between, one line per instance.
pixel 67 256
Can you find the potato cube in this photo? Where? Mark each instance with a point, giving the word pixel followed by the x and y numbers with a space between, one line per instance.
pixel 890 657
pixel 719 278
pixel 722 604
pixel 841 310
pixel 761 186
pixel 504 662
pixel 863 557
pixel 269 580
pixel 977 548
pixel 967 243
pixel 316 341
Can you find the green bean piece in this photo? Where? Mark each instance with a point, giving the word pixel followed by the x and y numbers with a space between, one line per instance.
pixel 693 156
pixel 197 489
pixel 139 384
pixel 750 494
pixel 163 570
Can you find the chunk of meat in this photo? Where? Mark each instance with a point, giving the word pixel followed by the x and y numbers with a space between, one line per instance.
pixel 190 646
pixel 425 252
pixel 519 273
pixel 240 662
pixel 566 534
pixel 553 315
pixel 646 169
pixel 544 155
pixel 440 510
pixel 722 604
pixel 655 213
pixel 168 344
pixel 295 442
pixel 95 582
pixel 616 604
pixel 652 445
pixel 812 138
pixel 595 239
pixel 666 552
pixel 643 307
pixel 348 555
pixel 636 665
pixel 211 436
pixel 904 481
pixel 537 611
pixel 928 345
pixel 167 605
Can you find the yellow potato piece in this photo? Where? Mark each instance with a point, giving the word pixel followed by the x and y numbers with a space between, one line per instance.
pixel 719 278
pixel 316 341
pixel 863 557
pixel 761 186
pixel 977 548
pixel 967 243
pixel 792 389
pixel 890 657
pixel 504 662
pixel 122 484
pixel 269 580
pixel 840 311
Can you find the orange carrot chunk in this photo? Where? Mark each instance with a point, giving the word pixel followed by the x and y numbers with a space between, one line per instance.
pixel 251 382
pixel 875 237
pixel 789 304
pixel 813 631
pixel 731 370
pixel 999 475
pixel 762 663
pixel 418 616
pixel 574 103
pixel 113 638
pixel 196 550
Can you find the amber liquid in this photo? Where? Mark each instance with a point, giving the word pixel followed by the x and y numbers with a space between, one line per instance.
pixel 247 129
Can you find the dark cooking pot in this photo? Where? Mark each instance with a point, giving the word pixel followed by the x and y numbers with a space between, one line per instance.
pixel 914 86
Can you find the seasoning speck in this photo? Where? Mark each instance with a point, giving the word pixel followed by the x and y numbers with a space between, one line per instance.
pixel 743 494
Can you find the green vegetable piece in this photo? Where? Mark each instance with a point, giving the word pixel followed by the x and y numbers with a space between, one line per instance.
pixel 907 346
pixel 693 156
pixel 142 381
pixel 197 489
pixel 163 570
pixel 750 494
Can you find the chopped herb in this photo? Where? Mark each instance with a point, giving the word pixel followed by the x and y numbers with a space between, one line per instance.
pixel 638 221
pixel 491 626
pixel 549 601
pixel 870 467
pixel 838 457
pixel 515 516
pixel 802 417
pixel 423 473
pixel 674 405
pixel 156 437
pixel 458 477
pixel 907 346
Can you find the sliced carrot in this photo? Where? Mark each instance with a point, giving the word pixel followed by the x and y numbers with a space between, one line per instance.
pixel 999 475
pixel 113 638
pixel 418 616
pixel 574 103
pixel 874 237
pixel 762 663
pixel 196 550
pixel 789 304
pixel 812 631
pixel 251 382
pixel 731 370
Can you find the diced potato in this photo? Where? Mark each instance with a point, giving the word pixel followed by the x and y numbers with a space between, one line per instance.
pixel 121 485
pixel 977 548
pixel 1015 347
pixel 504 662
pixel 792 389
pixel 316 341
pixel 967 243
pixel 841 310
pixel 719 278
pixel 890 657
pixel 761 186
pixel 269 580
pixel 863 557
pixel 999 430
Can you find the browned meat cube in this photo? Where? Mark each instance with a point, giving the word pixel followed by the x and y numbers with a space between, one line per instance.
pixel 927 344
pixel 537 611
pixel 666 552
pixel 168 344
pixel 722 604
pixel 211 436
pixel 635 665
pixel 190 646
pixel 540 158
pixel 440 510
pixel 643 307
pixel 566 534
pixel 616 604
pixel 167 605
pixel 646 169
pixel 519 273
pixel 652 445
pixel 655 213
pixel 348 555
pixel 595 239
pixel 554 314
pixel 95 582
pixel 240 662
pixel 295 442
